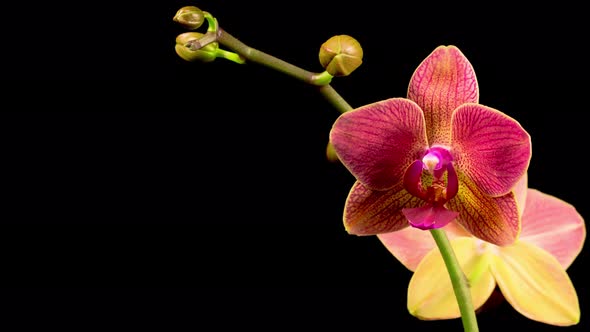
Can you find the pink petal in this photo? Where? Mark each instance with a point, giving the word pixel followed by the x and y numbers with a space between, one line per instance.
pixel 410 244
pixel 520 191
pixel 492 219
pixel 554 225
pixel 377 142
pixel 429 217
pixel 413 180
pixel 442 82
pixel 369 212
pixel 491 148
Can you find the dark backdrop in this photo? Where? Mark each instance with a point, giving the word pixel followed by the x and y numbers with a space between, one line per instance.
pixel 142 188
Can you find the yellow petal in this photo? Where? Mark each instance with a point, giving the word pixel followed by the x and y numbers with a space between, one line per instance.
pixel 535 284
pixel 431 295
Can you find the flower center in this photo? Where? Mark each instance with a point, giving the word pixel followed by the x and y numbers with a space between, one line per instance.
pixel 437 161
pixel 432 161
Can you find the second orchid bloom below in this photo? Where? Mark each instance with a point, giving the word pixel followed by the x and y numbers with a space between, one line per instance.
pixel 433 157
pixel 530 273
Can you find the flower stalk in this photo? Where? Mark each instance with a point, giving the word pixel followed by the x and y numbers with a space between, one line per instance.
pixel 321 80
pixel 267 60
pixel 458 280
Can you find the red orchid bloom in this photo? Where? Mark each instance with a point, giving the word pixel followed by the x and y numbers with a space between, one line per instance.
pixel 433 157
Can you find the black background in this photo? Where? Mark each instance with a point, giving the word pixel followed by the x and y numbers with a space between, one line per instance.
pixel 142 191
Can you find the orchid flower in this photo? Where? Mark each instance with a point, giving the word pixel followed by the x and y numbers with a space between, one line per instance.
pixel 531 272
pixel 433 157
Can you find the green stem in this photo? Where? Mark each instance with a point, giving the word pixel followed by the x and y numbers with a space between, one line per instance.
pixel 337 102
pixel 264 59
pixel 334 98
pixel 212 24
pixel 458 279
pixel 229 56
pixel 321 80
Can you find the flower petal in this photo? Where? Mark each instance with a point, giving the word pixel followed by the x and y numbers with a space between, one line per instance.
pixel 490 147
pixel 377 142
pixel 429 216
pixel 369 212
pixel 430 293
pixel 520 190
pixel 492 219
pixel 442 82
pixel 536 284
pixel 554 225
pixel 410 244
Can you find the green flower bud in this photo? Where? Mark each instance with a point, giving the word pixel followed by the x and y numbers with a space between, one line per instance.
pixel 341 55
pixel 331 153
pixel 189 17
pixel 206 53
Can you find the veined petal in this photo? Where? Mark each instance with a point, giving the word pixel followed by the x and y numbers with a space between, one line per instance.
pixel 377 142
pixel 490 147
pixel 442 82
pixel 520 191
pixel 430 293
pixel 554 225
pixel 536 284
pixel 492 219
pixel 410 244
pixel 369 212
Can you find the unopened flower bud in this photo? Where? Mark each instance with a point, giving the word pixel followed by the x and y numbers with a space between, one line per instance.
pixel 341 55
pixel 206 53
pixel 331 153
pixel 189 17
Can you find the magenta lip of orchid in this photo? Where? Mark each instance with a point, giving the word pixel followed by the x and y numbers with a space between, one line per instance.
pixel 437 161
